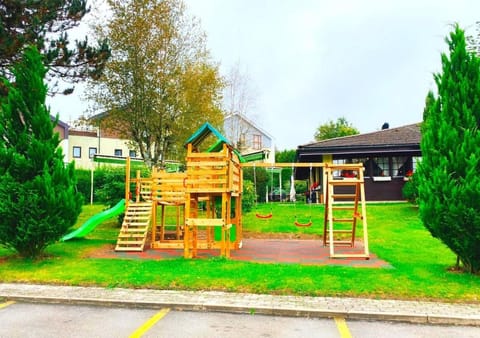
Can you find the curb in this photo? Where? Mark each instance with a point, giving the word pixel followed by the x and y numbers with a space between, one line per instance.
pixel 213 301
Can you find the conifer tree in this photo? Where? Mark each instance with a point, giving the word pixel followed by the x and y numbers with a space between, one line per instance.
pixel 38 202
pixel 448 176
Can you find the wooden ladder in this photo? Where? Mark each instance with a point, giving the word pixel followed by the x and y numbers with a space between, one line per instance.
pixel 344 207
pixel 133 234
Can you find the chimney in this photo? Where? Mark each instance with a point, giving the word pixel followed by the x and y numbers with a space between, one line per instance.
pixel 385 126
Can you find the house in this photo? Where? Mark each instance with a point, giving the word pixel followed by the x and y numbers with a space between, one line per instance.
pixel 254 143
pixel 81 142
pixel 389 157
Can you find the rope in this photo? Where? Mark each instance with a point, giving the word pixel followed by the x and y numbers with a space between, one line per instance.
pixel 256 197
pixel 296 222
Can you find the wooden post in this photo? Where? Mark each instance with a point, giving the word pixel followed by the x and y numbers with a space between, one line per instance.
pixel 127 182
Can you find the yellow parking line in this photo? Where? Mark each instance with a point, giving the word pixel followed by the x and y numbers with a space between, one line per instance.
pixel 149 323
pixel 6 304
pixel 342 327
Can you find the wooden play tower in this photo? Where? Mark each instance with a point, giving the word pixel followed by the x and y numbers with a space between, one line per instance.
pixel 213 189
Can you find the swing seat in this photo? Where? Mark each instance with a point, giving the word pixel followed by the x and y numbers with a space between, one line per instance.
pixel 264 216
pixel 298 224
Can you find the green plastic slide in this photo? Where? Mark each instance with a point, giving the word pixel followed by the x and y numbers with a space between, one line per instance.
pixel 95 220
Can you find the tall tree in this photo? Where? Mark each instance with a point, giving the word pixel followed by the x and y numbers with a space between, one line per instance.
pixel 160 84
pixel 38 201
pixel 44 24
pixel 332 129
pixel 448 176
pixel 239 98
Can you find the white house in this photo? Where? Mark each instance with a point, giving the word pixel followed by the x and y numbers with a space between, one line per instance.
pixel 254 143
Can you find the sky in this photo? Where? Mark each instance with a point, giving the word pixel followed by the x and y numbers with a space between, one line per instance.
pixel 313 61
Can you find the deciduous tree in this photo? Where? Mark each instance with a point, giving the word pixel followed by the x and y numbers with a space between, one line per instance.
pixel 160 84
pixel 448 176
pixel 38 200
pixel 332 129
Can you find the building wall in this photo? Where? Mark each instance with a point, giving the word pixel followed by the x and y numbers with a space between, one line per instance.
pixel 245 135
pixel 83 144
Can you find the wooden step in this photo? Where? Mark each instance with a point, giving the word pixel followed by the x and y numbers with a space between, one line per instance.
pixel 132 249
pixel 342 219
pixel 343 207
pixel 136 243
pixel 344 196
pixel 133 234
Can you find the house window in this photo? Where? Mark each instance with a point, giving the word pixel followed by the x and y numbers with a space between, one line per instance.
pixel 77 152
pixel 132 153
pixel 91 152
pixel 257 142
pixel 401 165
pixel 242 141
pixel 381 166
pixel 118 152
pixel 373 168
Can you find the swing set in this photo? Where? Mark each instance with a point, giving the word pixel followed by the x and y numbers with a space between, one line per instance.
pixel 344 205
pixel 270 214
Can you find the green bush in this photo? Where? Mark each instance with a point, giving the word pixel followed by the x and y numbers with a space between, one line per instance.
pixel 410 190
pixel 83 183
pixel 248 197
pixel 262 179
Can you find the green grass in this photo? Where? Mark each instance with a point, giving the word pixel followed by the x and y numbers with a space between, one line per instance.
pixel 420 263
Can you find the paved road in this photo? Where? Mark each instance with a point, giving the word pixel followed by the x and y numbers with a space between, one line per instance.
pixel 58 320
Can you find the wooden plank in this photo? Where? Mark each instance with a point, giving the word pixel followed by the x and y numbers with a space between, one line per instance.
pixel 205 222
pixel 283 165
pixel 120 242
pixel 344 196
pixel 342 219
pixel 135 249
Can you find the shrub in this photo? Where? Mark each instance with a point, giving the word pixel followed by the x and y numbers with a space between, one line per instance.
pixel 248 197
pixel 83 183
pixel 410 190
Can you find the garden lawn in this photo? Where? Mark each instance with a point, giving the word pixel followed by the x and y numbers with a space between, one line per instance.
pixel 421 265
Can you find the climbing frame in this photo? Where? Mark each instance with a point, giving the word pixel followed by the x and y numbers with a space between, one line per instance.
pixel 344 208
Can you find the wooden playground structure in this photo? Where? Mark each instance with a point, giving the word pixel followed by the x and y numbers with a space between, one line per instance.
pixel 206 200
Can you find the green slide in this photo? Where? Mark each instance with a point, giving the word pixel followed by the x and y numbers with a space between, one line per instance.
pixel 95 220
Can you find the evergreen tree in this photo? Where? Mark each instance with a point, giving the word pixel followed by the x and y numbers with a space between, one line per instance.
pixel 448 176
pixel 44 24
pixel 38 202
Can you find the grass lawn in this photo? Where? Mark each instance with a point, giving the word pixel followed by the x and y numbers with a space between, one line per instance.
pixel 421 264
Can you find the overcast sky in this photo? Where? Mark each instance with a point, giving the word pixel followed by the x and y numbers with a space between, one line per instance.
pixel 311 61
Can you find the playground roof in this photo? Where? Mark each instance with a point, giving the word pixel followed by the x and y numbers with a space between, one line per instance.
pixel 218 146
pixel 203 132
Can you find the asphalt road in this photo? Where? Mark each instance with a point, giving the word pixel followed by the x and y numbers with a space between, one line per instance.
pixel 55 320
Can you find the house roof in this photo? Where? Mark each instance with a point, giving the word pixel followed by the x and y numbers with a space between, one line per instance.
pixel 250 122
pixel 400 139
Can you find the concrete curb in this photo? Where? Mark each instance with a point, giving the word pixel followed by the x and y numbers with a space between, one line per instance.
pixel 291 306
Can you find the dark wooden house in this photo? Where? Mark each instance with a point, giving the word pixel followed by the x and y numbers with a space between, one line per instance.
pixel 389 157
